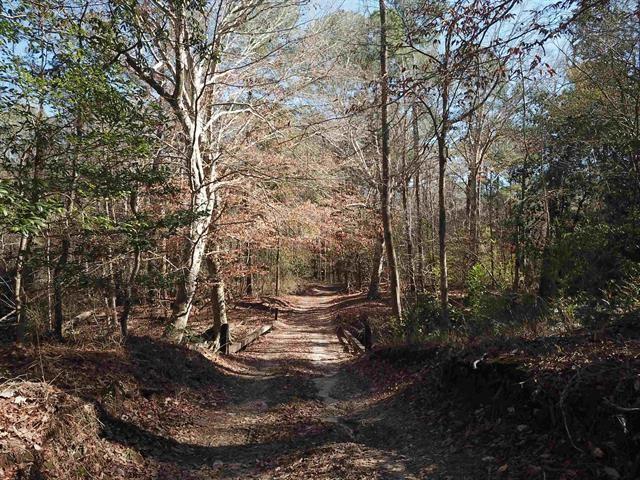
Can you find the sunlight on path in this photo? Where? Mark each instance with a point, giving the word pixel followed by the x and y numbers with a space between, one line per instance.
pixel 305 334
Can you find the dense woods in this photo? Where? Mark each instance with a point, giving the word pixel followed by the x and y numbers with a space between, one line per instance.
pixel 136 151
pixel 468 170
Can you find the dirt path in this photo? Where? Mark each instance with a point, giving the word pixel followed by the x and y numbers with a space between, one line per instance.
pixel 305 335
pixel 295 411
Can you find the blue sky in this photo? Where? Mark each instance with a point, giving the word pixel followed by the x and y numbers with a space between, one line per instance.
pixel 551 54
pixel 360 5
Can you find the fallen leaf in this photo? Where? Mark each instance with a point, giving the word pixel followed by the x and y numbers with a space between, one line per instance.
pixel 7 393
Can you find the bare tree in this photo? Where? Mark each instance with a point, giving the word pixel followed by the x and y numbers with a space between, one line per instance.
pixel 463 49
pixel 385 168
pixel 210 63
pixel 481 131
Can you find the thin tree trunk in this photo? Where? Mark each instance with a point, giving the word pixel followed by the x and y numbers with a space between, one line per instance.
pixel 58 271
pixel 376 270
pixel 65 247
pixel 26 238
pixel 129 292
pixel 385 191
pixel 547 286
pixel 519 255
pixel 133 274
pixel 418 198
pixel 111 299
pixel 278 268
pixel 346 275
pixel 408 230
pixel 323 262
pixel 442 231
pixel 491 230
pixel 472 214
pixel 49 282
pixel 18 285
pixel 218 302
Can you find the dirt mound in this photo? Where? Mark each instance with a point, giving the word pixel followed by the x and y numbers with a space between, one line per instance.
pixel 556 407
pixel 99 409
pixel 46 433
pixel 267 304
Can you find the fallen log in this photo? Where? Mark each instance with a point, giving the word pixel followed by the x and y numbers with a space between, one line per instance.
pixel 70 324
pixel 235 347
pixel 349 342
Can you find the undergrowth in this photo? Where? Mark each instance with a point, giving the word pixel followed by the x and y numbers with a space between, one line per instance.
pixel 489 312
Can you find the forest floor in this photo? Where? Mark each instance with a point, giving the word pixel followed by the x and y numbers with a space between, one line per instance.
pixel 294 405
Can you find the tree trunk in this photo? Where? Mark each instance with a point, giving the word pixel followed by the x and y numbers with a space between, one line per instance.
pixel 519 250
pixel 218 302
pixel 249 276
pixel 188 282
pixel 442 231
pixel 419 220
pixel 385 190
pixel 58 271
pixel 49 282
pixel 408 225
pixel 133 274
pixel 346 275
pixel 278 268
pixel 63 260
pixel 376 270
pixel 519 253
pixel 202 202
pixel 129 293
pixel 18 285
pixel 491 231
pixel 472 215
pixel 547 286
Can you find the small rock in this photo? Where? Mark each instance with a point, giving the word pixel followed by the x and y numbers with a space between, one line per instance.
pixel 503 468
pixel 522 428
pixel 597 452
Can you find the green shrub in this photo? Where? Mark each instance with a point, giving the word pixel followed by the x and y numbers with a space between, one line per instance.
pixel 420 319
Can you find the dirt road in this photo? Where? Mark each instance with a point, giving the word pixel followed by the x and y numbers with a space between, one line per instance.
pixel 296 410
